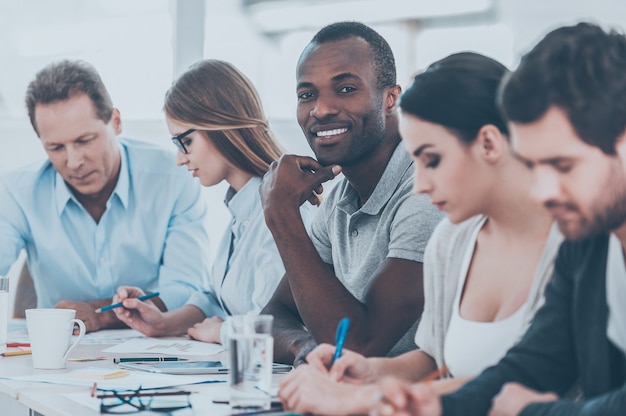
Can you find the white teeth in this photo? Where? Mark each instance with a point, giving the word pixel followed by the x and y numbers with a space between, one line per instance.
pixel 327 133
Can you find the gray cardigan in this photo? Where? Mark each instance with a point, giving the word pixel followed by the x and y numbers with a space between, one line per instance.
pixel 443 260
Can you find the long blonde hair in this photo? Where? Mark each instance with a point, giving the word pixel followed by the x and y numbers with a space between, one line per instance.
pixel 215 98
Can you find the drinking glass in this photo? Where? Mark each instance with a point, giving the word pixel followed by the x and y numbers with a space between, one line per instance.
pixel 251 348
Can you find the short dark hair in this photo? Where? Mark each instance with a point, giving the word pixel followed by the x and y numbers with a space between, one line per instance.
pixel 459 93
pixel 580 69
pixel 62 80
pixel 384 62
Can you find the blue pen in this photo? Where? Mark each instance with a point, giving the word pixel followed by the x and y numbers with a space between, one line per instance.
pixel 340 337
pixel 119 305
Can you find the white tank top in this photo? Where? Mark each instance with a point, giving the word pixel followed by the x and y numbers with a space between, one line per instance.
pixel 471 346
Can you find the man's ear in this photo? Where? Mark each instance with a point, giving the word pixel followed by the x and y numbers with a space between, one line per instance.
pixel 620 147
pixel 116 121
pixel 392 95
pixel 490 143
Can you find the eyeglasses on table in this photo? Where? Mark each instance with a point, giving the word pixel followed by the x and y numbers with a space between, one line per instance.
pixel 134 401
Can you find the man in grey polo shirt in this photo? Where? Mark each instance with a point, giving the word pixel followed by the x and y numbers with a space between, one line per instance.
pixel 363 256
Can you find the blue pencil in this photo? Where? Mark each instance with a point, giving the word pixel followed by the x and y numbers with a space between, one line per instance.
pixel 119 305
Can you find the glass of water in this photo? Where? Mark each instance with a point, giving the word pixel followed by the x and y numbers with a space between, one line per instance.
pixel 251 351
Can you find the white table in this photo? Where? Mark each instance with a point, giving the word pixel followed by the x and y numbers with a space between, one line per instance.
pixel 22 398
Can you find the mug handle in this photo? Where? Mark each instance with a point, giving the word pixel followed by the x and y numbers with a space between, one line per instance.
pixel 81 334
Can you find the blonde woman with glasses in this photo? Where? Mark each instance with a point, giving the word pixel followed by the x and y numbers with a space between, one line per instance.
pixel 218 125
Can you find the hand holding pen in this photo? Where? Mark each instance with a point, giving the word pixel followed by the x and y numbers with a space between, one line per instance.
pixel 350 366
pixel 140 311
pixel 319 357
pixel 121 304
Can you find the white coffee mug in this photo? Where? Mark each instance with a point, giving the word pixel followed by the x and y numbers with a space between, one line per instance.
pixel 50 333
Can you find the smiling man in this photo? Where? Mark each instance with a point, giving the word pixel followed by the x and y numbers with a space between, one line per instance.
pixel 101 211
pixel 363 256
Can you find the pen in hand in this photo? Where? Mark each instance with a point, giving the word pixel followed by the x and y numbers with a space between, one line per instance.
pixel 340 338
pixel 119 305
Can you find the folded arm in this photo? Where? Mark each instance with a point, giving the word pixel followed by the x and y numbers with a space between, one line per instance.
pixel 610 404
pixel 291 339
pixel 86 312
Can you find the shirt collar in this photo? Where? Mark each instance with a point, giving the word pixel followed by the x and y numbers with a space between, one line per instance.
pixel 122 189
pixel 397 167
pixel 244 204
pixel 63 193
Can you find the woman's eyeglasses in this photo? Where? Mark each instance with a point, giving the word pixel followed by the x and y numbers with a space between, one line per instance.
pixel 178 140
pixel 134 401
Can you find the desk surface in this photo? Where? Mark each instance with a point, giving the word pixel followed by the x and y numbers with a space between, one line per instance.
pixel 50 400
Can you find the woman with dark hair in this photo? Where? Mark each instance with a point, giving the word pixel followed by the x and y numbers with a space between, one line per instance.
pixel 218 125
pixel 485 266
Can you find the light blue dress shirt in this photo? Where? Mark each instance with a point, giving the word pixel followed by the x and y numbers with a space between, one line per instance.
pixel 244 281
pixel 152 234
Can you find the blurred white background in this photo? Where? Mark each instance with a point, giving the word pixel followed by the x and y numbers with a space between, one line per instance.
pixel 139 46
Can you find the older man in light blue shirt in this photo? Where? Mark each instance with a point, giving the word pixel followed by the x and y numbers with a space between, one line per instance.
pixel 102 211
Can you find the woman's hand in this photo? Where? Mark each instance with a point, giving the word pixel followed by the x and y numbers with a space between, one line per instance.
pixel 208 330
pixel 143 316
pixel 400 398
pixel 351 367
pixel 307 390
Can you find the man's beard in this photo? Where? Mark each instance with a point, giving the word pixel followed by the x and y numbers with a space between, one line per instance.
pixel 607 214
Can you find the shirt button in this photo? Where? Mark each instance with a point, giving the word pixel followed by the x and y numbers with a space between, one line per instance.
pixel 354 232
pixel 246 223
pixel 102 260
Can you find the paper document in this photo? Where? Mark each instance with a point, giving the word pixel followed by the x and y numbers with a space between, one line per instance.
pixel 178 347
pixel 18 332
pixel 108 379
pixel 111 336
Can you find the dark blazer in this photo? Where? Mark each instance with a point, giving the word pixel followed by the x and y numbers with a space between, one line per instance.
pixel 565 344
